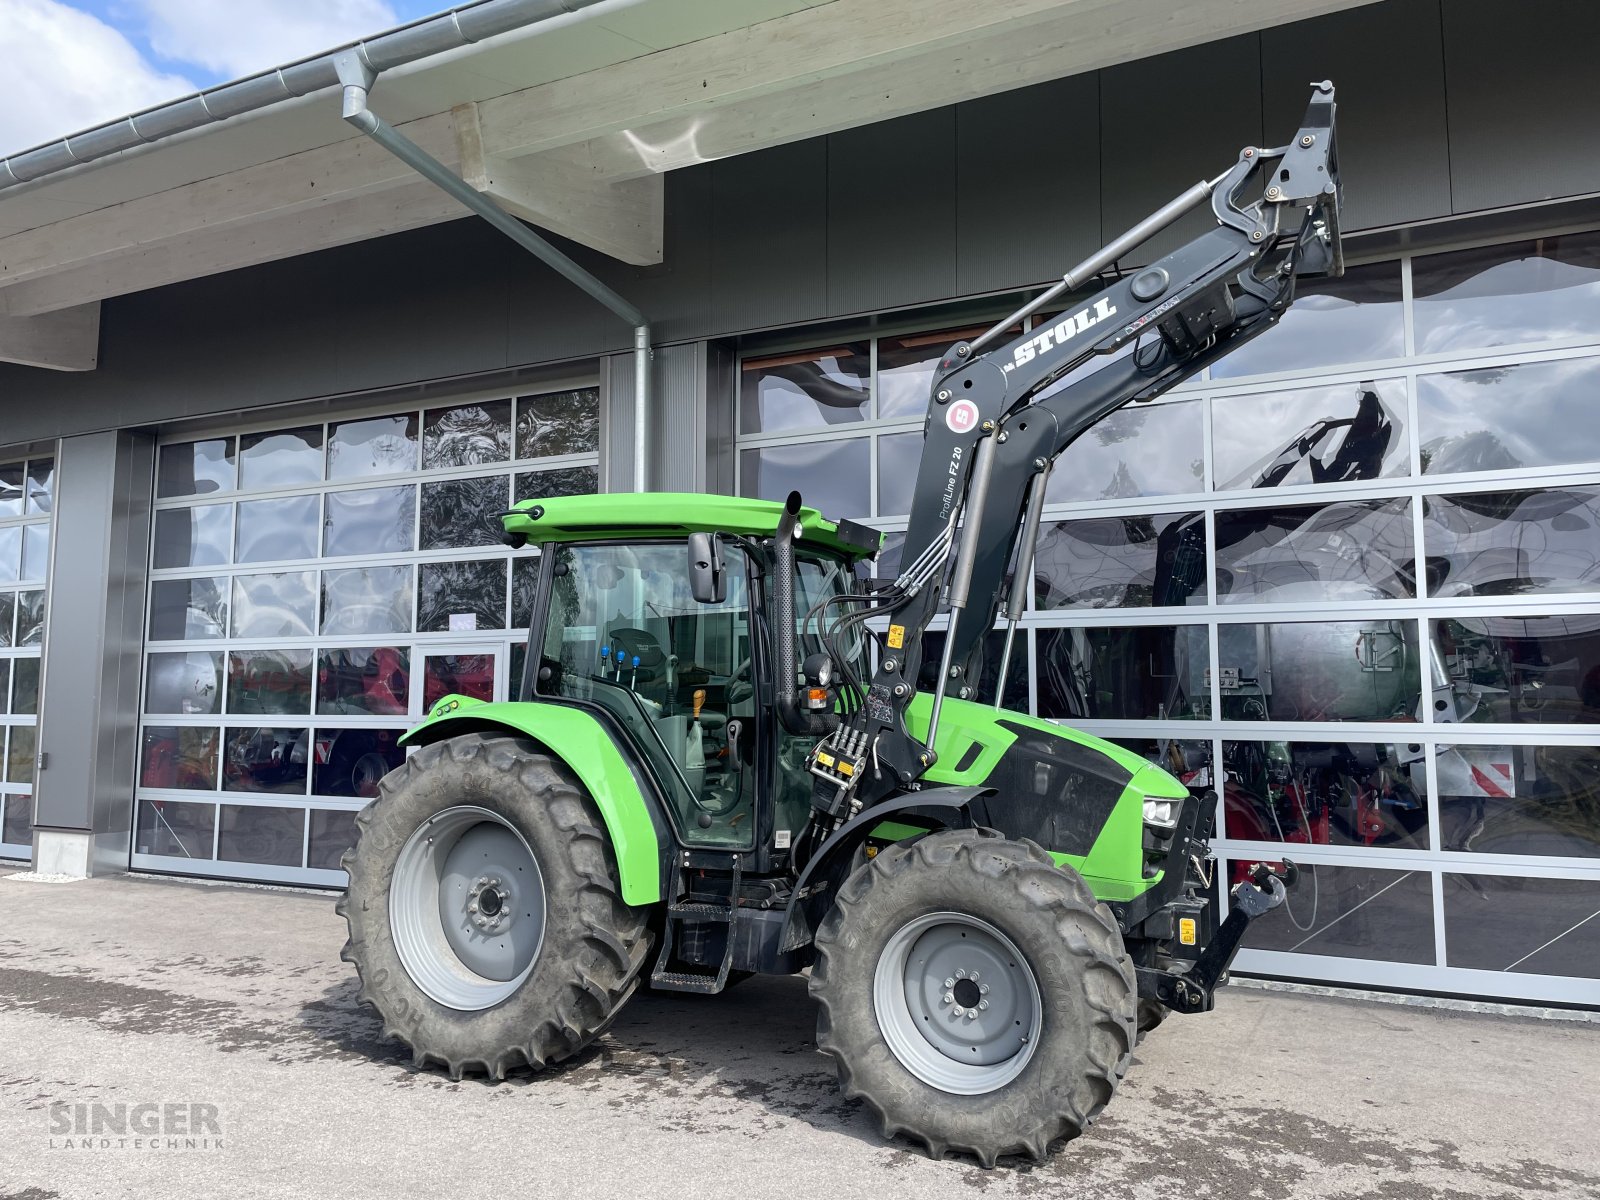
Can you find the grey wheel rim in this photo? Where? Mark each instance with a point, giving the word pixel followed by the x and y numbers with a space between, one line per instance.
pixel 467 908
pixel 957 1003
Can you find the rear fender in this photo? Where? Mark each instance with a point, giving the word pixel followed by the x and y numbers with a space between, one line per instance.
pixel 580 741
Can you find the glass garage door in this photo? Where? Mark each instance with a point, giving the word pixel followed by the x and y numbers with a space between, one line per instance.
pixel 25 502
pixel 313 590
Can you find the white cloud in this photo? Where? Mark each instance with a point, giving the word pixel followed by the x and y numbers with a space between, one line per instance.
pixel 66 70
pixel 240 38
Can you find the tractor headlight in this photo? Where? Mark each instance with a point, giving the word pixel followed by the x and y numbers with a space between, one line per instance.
pixel 1163 813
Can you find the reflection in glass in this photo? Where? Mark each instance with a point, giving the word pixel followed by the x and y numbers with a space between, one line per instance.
pixel 466 435
pixel 333 831
pixel 808 389
pixel 366 600
pixel 524 586
pixel 1311 435
pixel 1144 450
pixel 372 446
pixel 175 829
pixel 8 612
pixel 457 674
pixel 16 826
pixel 1326 793
pixel 25 687
pixel 266 760
pixel 279 605
pixel 186 682
pixel 374 680
pixel 1520 799
pixel 1320 671
pixel 1350 912
pixel 899 455
pixel 1530 926
pixel 463 512
pixel 1498 418
pixel 372 521
pixel 1188 762
pixel 30 618
pixel 271 530
pixel 906 367
pixel 11 554
pixel 179 756
pixel 1156 560
pixel 350 762
pixel 269 681
pixel 41 485
pixel 457 596
pixel 261 835
pixel 1126 673
pixel 193 537
pixel 993 645
pixel 558 423
pixel 195 468
pixel 558 481
pixel 515 667
pixel 280 458
pixel 12 494
pixel 1355 318
pixel 35 551
pixel 1507 543
pixel 21 749
pixel 838 475
pixel 1347 550
pixel 188 609
pixel 1527 670
pixel 5 685
pixel 1538 291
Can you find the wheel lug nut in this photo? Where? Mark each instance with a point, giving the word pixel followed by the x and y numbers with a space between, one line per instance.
pixel 960 1012
pixel 983 1004
pixel 961 973
pixel 983 989
pixel 949 983
pixel 949 997
pixel 972 1014
pixel 973 977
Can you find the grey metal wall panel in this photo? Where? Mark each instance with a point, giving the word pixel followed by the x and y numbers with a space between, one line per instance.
pixel 891 213
pixel 616 422
pixel 1524 107
pixel 1027 184
pixel 1387 61
pixel 679 432
pixel 721 396
pixel 1170 121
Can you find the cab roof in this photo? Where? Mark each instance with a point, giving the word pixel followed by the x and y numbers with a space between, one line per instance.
pixel 666 514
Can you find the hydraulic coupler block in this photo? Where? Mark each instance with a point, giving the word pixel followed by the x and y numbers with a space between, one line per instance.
pixel 837 761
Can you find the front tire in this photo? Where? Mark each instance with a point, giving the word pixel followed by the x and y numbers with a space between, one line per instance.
pixel 976 996
pixel 485 916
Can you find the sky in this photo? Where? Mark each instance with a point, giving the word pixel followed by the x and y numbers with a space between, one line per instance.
pixel 73 65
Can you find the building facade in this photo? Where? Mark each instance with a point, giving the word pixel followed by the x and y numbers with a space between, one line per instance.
pixel 1348 578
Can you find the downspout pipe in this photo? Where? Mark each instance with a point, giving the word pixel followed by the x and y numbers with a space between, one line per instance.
pixel 357 79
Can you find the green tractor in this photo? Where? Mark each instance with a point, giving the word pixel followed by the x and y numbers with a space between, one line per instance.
pixel 727 755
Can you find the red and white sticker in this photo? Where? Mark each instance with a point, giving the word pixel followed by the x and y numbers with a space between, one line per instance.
pixel 962 416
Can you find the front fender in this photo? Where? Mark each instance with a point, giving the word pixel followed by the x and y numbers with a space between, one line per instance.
pixel 584 745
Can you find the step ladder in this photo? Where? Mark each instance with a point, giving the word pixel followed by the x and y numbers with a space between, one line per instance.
pixel 686 912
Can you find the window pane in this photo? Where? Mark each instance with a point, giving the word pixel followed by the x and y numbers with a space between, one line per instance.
pixel 466 435
pixel 196 468
pixel 12 489
pixel 457 674
pixel 269 681
pixel 558 423
pixel 1506 543
pixel 373 680
pixel 11 554
pixel 1346 551
pixel 281 605
pixel 193 537
pixel 1187 761
pixel 1352 319
pixel 906 367
pixel 175 829
pixel 261 835
pixel 35 551
pixel 372 446
pixel 1326 794
pixel 1350 912
pixel 271 530
pixel 460 596
pixel 524 585
pixel 374 521
pixel 463 512
pixel 280 458
pixel 21 749
pixel 25 687
pixel 350 762
pixel 41 485
pixel 1527 415
pixel 266 760
pixel 188 609
pixel 8 612
pixel 1135 673
pixel 1311 435
pixel 899 456
pixel 30 618
pixel 559 481
pixel 184 683
pixel 1520 799
pixel 809 389
pixel 366 600
pixel 1143 450
pixel 1527 670
pixel 1017 672
pixel 18 822
pixel 834 476
pixel 1320 671
pixel 1152 561
pixel 1530 926
pixel 5 685
pixel 1535 291
pixel 179 756
pixel 333 831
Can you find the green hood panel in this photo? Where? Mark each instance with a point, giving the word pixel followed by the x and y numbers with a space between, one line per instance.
pixel 581 742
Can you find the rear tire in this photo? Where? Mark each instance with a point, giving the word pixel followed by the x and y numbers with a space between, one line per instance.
pixel 1151 1014
pixel 1051 964
pixel 477 982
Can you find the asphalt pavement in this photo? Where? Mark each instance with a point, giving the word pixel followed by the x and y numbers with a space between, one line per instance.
pixel 213 1035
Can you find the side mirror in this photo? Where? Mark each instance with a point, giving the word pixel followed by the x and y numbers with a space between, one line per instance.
pixel 708 576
